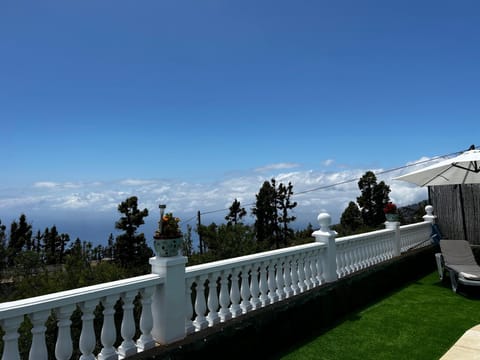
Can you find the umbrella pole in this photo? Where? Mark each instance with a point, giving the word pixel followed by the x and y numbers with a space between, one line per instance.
pixel 463 212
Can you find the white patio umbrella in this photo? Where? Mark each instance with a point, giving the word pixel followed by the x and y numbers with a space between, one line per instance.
pixel 461 169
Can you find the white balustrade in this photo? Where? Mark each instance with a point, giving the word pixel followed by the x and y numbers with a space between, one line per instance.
pixel 221 290
pixel 62 305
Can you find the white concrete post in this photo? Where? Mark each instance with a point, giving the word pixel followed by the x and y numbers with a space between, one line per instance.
pixel 327 236
pixel 395 225
pixel 429 217
pixel 168 302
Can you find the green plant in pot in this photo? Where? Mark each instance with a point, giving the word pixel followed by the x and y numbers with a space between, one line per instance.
pixel 168 237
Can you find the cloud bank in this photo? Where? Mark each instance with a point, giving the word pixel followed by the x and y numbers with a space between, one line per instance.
pixel 81 206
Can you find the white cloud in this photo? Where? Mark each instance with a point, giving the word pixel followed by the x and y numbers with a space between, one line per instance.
pixel 137 182
pixel 328 162
pixel 46 184
pixel 278 166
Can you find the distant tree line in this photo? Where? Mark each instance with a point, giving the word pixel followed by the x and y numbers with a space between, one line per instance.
pixel 49 254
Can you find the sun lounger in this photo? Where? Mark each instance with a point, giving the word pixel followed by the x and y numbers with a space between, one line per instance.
pixel 457 258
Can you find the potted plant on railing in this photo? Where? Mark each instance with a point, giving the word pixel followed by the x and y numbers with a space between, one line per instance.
pixel 168 237
pixel 391 211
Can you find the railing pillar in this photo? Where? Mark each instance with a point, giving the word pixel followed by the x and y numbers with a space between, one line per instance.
pixel 327 236
pixel 168 302
pixel 429 217
pixel 395 225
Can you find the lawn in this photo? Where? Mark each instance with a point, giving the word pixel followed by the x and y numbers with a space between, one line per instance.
pixel 420 321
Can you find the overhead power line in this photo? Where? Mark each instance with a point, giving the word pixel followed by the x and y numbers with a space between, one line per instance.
pixel 323 187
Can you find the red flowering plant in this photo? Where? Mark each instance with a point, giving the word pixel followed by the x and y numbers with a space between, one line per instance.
pixel 390 208
pixel 168 227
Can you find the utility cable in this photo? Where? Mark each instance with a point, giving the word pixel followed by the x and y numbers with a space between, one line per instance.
pixel 348 181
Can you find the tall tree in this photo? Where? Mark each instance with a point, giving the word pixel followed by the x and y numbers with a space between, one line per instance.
pixel 272 214
pixel 351 219
pixel 373 199
pixel 236 213
pixel 49 244
pixel 20 237
pixel 265 211
pixel 284 205
pixel 3 246
pixel 131 248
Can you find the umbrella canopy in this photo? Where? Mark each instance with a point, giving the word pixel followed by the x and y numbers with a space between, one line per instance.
pixel 459 170
pixel 462 169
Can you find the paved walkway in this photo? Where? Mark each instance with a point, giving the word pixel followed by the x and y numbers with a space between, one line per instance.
pixel 467 347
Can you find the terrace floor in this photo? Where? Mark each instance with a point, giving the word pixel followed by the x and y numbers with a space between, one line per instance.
pixel 423 320
pixel 467 347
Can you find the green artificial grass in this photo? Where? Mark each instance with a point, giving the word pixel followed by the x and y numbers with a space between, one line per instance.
pixel 420 321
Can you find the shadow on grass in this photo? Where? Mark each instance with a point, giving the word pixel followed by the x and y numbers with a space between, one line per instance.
pixel 427 303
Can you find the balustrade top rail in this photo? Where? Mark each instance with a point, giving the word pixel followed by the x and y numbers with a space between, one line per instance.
pixel 237 262
pixel 76 296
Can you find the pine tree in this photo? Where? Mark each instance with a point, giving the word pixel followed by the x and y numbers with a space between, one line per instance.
pixel 3 246
pixel 131 248
pixel 284 205
pixel 272 214
pixel 20 238
pixel 351 219
pixel 236 213
pixel 373 199
pixel 265 211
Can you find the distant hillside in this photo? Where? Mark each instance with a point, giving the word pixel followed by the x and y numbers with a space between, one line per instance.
pixel 413 213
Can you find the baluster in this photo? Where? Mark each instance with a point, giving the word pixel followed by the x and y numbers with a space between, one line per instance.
pixel 224 297
pixel 371 252
pixel 200 321
pixel 146 340
pixel 109 332
pixel 313 269
pixel 272 293
pixel 265 300
pixel 10 339
pixel 87 336
pixel 342 261
pixel 294 271
pixel 127 330
pixel 349 258
pixel 255 288
pixel 64 346
pixel 301 274
pixel 361 256
pixel 385 250
pixel 212 302
pixel 280 285
pixel 308 272
pixel 235 308
pixel 189 328
pixel 38 349
pixel 346 259
pixel 339 260
pixel 356 258
pixel 377 251
pixel 287 277
pixel 245 305
pixel 320 261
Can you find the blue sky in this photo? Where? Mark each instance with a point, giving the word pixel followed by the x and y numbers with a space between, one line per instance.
pixel 194 103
